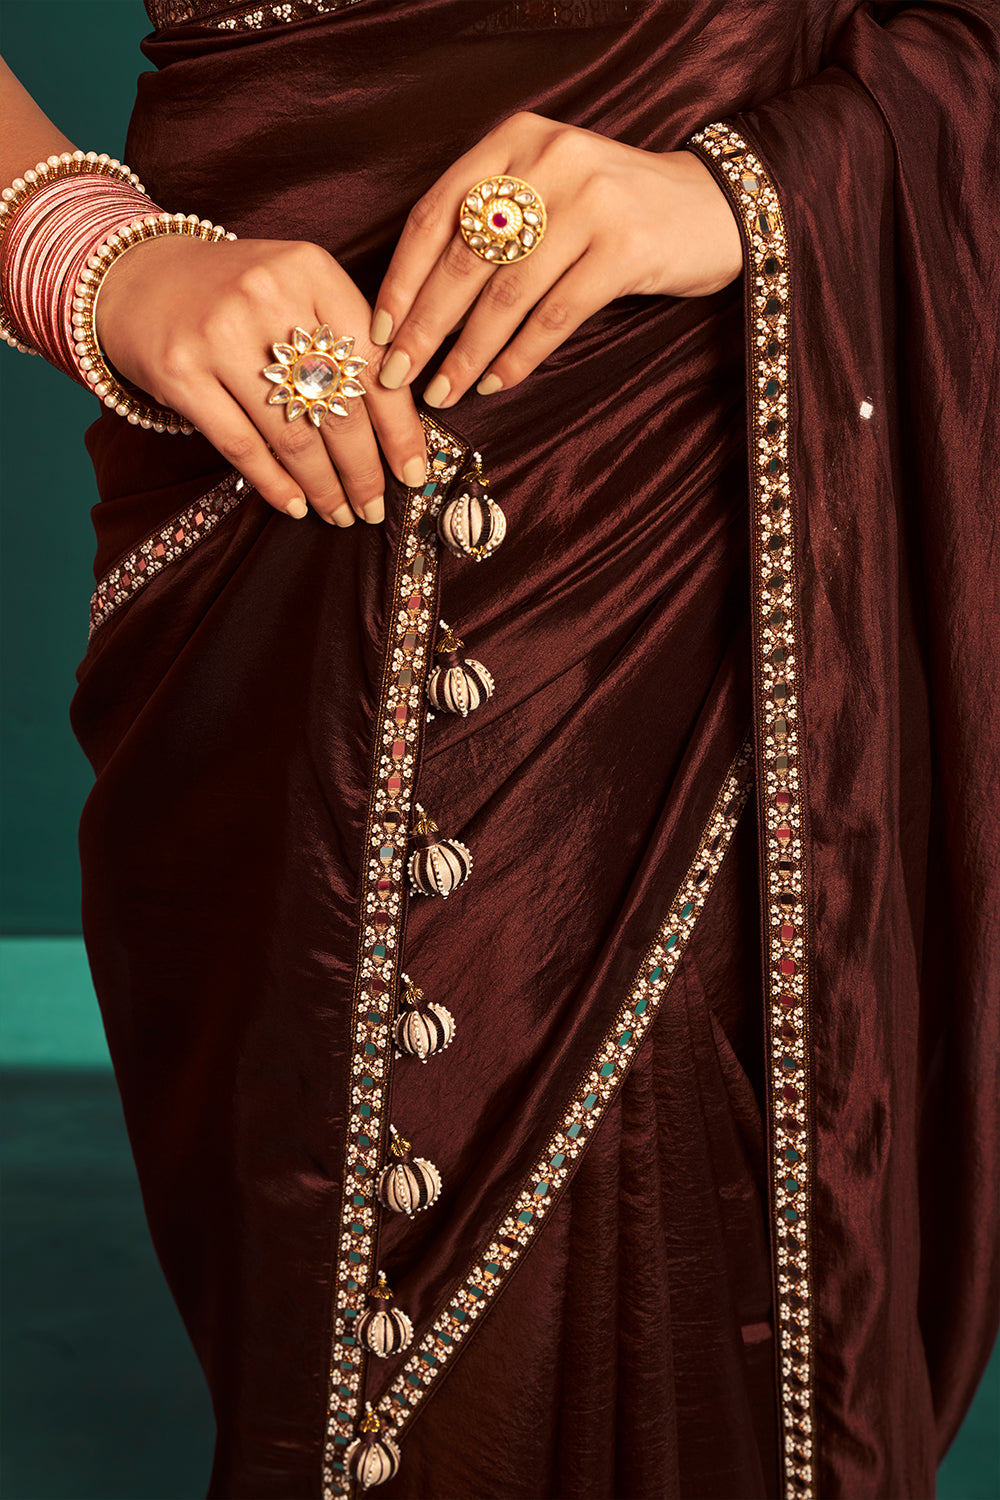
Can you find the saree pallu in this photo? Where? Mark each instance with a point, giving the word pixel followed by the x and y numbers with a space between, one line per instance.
pixel 716 1130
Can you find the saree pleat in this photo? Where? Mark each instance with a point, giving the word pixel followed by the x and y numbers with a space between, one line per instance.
pixel 706 1000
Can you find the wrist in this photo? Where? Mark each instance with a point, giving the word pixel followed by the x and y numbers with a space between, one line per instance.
pixel 712 218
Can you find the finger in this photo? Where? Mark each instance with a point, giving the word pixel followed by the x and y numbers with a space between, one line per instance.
pixel 451 287
pixel 577 296
pixel 353 448
pixel 400 432
pixel 227 427
pixel 503 304
pixel 300 451
pixel 429 227
pixel 350 445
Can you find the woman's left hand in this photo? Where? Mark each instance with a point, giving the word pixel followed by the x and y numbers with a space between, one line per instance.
pixel 621 221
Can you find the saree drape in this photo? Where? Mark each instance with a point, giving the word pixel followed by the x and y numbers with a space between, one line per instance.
pixel 717 1127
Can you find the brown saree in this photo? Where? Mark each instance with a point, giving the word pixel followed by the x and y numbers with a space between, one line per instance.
pixel 716 1130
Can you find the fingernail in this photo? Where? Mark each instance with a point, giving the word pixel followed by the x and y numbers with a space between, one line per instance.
pixel 488 386
pixel 342 516
pixel 438 391
pixel 375 511
pixel 381 326
pixel 414 473
pixel 394 370
pixel 297 508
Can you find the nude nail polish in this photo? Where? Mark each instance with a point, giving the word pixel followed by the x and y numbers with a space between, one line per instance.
pixel 381 326
pixel 489 385
pixel 414 473
pixel 375 511
pixel 342 516
pixel 438 391
pixel 297 509
pixel 395 370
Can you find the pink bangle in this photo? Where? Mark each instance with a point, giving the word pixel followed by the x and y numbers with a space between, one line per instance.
pixel 101 171
pixel 62 226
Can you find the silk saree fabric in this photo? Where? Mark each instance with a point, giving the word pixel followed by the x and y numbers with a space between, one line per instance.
pixel 717 1127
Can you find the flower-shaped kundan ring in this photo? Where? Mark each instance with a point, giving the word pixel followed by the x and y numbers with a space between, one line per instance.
pixel 316 375
pixel 502 219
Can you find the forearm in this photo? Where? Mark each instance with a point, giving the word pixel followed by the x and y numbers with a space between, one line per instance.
pixel 27 135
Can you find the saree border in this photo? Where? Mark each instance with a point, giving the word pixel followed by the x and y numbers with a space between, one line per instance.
pixel 400 719
pixel 597 1088
pixel 163 546
pixel 781 800
pixel 260 15
pixel 252 15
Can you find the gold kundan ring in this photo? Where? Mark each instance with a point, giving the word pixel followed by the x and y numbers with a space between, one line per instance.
pixel 317 375
pixel 502 219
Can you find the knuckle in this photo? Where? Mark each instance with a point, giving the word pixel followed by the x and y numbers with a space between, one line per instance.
pixel 222 326
pixel 337 423
pixel 420 334
pixel 505 291
pixel 425 215
pixel 553 316
pixel 524 121
pixel 177 365
pixel 294 441
pixel 367 482
pixel 237 449
pixel 560 148
pixel 466 362
pixel 458 260
pixel 258 284
pixel 307 254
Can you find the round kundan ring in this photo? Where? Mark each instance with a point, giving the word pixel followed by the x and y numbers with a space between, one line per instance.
pixel 317 375
pixel 502 219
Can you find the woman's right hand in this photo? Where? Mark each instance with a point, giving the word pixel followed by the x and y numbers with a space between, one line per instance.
pixel 192 323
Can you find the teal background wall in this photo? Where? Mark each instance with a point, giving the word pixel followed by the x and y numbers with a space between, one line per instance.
pixel 103 1398
pixel 80 60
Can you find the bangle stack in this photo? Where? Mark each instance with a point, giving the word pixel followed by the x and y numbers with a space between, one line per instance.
pixel 62 226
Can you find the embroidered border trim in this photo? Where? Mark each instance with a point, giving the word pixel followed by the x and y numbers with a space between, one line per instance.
pixel 401 714
pixel 247 17
pixel 163 547
pixel 780 790
pixel 519 15
pixel 590 1100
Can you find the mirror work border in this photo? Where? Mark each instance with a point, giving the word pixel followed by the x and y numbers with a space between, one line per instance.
pixel 401 716
pixel 781 798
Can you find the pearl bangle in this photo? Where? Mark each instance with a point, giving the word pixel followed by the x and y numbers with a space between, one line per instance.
pixel 90 358
pixel 59 236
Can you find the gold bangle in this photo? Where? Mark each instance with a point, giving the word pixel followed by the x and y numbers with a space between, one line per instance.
pixel 128 402
pixel 69 164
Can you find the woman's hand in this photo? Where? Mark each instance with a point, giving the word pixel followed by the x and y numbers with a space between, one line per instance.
pixel 193 323
pixel 620 221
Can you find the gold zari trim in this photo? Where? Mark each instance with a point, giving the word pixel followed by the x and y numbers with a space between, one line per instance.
pixel 777 666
